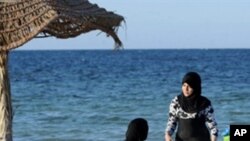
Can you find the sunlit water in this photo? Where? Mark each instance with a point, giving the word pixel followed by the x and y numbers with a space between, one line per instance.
pixel 92 95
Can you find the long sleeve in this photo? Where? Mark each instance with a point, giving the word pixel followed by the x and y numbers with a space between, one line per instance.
pixel 172 119
pixel 210 121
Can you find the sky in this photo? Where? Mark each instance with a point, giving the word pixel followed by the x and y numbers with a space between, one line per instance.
pixel 166 24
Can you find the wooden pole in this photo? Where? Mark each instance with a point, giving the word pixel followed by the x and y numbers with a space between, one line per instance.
pixel 6 114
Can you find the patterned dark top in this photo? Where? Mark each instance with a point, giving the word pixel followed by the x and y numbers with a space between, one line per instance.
pixel 177 115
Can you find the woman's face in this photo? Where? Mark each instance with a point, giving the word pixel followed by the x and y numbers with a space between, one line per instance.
pixel 187 90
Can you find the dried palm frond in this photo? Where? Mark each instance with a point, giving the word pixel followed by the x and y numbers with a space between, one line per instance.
pixel 22 20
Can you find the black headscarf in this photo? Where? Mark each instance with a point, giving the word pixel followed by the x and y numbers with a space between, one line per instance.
pixel 137 130
pixel 195 102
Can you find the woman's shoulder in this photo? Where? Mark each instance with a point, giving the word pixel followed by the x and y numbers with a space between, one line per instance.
pixel 175 99
pixel 205 103
pixel 205 100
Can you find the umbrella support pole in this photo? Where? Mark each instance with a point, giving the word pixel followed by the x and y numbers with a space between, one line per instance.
pixel 6 114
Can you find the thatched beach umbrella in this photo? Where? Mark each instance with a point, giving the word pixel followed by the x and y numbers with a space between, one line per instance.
pixel 22 20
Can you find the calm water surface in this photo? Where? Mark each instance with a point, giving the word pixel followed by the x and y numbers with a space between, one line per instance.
pixel 92 95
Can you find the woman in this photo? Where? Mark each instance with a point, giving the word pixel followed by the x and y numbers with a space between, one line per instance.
pixel 137 130
pixel 192 113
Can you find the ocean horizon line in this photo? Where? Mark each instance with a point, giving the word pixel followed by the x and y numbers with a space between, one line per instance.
pixel 128 49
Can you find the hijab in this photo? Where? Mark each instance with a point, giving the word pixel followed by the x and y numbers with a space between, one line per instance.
pixel 195 102
pixel 137 130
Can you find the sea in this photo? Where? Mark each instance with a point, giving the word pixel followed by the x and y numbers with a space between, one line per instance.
pixel 92 95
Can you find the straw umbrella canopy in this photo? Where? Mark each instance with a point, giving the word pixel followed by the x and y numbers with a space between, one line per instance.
pixel 23 20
